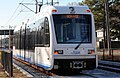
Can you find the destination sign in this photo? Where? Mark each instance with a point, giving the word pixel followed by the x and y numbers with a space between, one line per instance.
pixel 6 32
pixel 72 16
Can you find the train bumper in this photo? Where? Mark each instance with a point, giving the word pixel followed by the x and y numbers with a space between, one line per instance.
pixel 75 63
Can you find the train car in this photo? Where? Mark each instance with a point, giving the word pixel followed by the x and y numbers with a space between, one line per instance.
pixel 61 37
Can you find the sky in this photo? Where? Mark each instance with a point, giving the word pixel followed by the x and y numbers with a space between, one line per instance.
pixel 12 13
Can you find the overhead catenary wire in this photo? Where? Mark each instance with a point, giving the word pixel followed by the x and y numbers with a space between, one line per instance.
pixel 15 17
pixel 13 14
pixel 25 16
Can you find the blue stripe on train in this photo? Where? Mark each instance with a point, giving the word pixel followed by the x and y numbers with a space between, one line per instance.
pixel 26 59
pixel 29 59
pixel 43 66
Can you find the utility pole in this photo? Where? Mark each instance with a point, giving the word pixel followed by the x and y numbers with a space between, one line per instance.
pixel 36 6
pixel 107 26
pixel 104 35
pixel 9 38
pixel 52 2
pixel 0 42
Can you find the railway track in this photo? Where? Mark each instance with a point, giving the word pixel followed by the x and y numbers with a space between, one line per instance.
pixel 109 65
pixel 89 75
pixel 36 72
pixel 33 70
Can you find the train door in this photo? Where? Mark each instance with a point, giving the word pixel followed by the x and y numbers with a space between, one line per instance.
pixel 43 45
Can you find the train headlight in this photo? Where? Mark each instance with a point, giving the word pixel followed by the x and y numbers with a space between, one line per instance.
pixel 54 10
pixel 58 52
pixel 87 10
pixel 91 51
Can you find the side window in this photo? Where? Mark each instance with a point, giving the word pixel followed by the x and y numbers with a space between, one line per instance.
pixel 41 33
pixel 46 32
pixel 43 36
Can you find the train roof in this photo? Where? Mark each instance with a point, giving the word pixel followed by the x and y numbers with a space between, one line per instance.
pixel 65 9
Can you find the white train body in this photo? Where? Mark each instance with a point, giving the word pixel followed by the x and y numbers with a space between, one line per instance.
pixel 62 37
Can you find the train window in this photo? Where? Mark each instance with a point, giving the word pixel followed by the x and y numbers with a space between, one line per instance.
pixel 34 35
pixel 73 28
pixel 47 34
pixel 43 36
pixel 28 38
pixel 39 33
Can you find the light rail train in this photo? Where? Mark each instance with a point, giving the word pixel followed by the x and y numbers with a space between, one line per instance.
pixel 61 37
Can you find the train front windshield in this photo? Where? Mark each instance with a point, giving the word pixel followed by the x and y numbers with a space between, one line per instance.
pixel 75 28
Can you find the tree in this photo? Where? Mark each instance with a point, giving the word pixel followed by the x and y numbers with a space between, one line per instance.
pixel 115 19
pixel 97 8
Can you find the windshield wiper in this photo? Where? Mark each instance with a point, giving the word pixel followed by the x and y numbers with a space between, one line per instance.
pixel 78 46
pixel 85 36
